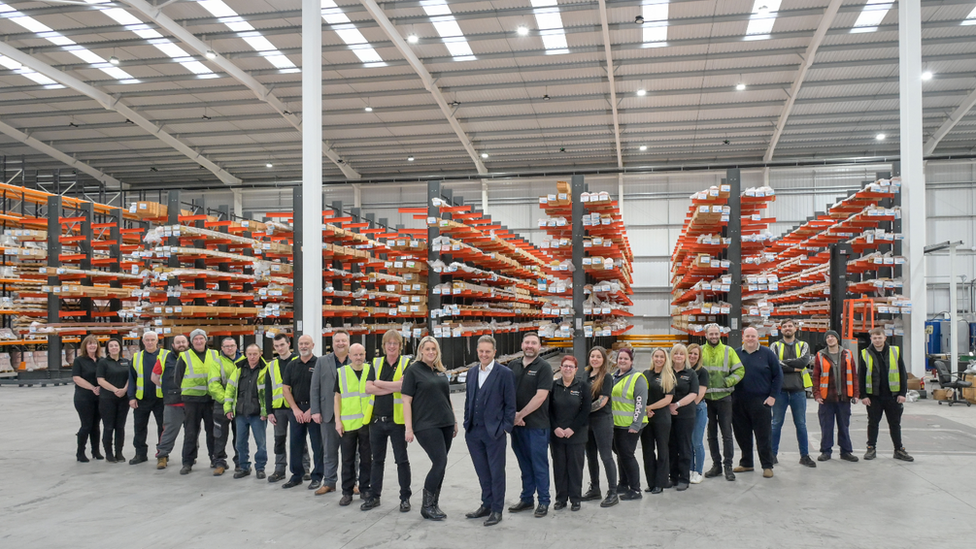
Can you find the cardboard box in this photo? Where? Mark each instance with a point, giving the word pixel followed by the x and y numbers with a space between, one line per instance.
pixel 942 394
pixel 914 384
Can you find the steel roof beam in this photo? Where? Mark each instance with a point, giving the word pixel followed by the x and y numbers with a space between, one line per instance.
pixel 56 154
pixel 961 111
pixel 610 80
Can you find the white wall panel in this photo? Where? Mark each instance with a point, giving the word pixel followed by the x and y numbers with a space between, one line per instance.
pixel 653 242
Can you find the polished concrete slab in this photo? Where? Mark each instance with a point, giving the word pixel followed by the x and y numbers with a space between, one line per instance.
pixel 50 500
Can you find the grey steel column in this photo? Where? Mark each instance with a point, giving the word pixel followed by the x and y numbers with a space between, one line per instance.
pixel 53 262
pixel 579 275
pixel 298 263
pixel 734 231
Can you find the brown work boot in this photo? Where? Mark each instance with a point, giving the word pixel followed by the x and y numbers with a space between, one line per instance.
pixel 162 462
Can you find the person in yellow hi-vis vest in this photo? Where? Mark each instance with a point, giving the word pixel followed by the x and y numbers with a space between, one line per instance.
pixel 192 370
pixel 217 378
pixel 883 383
pixel 794 358
pixel 145 396
pixel 354 409
pixel 384 381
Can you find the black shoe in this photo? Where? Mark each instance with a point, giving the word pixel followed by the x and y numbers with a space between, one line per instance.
pixel 848 457
pixel 681 486
pixel 542 510
pixel 276 476
pixel 729 475
pixel 576 506
pixel 871 453
pixel 429 510
pixel 292 483
pixel 481 512
pixel 611 499
pixel 776 461
pixel 80 456
pixel 370 503
pixel 559 506
pixel 119 457
pixel 715 471
pixel 493 519
pixel 824 456
pixel 593 493
pixel 109 458
pixel 805 460
pixel 902 455
pixel 404 505
pixel 521 506
pixel 307 477
pixel 346 500
pixel 260 474
pixel 96 454
pixel 315 485
pixel 138 459
pixel 186 469
pixel 242 473
pixel 628 495
pixel 657 490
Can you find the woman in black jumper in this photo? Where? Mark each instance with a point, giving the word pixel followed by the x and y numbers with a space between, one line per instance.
pixel 599 439
pixel 660 392
pixel 83 373
pixel 569 413
pixel 113 376
pixel 683 416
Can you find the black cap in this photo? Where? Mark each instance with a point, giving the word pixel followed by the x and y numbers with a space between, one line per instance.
pixel 832 333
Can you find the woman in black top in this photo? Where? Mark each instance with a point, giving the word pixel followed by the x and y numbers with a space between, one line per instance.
pixel 429 416
pixel 569 414
pixel 660 391
pixel 682 417
pixel 599 440
pixel 86 397
pixel 113 376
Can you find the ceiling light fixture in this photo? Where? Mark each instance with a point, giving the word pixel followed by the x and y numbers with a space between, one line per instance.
pixel 368 108
pixel 114 60
pixel 413 38
pixel 639 20
pixel 211 55
pixel 641 92
pixel 546 97
pixel 643 148
pixel 926 76
pixel 409 159
pixel 269 165
pixel 522 31
pixel 484 155
pixel 880 137
pixel 740 86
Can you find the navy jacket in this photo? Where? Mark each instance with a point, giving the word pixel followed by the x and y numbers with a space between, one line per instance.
pixel 497 398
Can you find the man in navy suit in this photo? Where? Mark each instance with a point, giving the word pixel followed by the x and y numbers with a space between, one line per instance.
pixel 489 413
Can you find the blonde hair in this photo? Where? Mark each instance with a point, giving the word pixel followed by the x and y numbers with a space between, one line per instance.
pixel 390 335
pixel 679 347
pixel 694 346
pixel 438 365
pixel 668 379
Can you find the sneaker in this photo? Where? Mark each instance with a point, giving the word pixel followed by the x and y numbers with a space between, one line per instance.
pixel 696 477
pixel 768 473
pixel 871 453
pixel 628 495
pixel 162 462
pixel 715 471
pixel 593 493
pixel 824 456
pixel 902 455
pixel 805 460
pixel 848 457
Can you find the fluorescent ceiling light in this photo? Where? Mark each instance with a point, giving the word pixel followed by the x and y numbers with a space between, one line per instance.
pixel 448 29
pixel 880 137
pixel 762 19
pixel 655 27
pixel 550 24
pixel 246 32
pixel 871 15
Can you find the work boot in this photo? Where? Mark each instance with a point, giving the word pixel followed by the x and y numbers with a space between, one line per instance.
pixel 276 476
pixel 428 510
pixel 729 475
pixel 848 457
pixel 901 454
pixel 138 459
pixel 871 453
pixel 743 469
pixel 162 462
pixel 611 499
pixel 824 456
pixel 218 470
pixel 715 471
pixel 186 469
pixel 805 460
pixel 370 503
pixel 260 474
pixel 404 505
pixel 242 473
pixel 593 493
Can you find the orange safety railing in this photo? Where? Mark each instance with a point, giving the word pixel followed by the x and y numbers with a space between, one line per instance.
pixel 867 315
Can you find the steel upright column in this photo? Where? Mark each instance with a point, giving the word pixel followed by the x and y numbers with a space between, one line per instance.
pixel 840 253
pixel 913 176
pixel 311 205
pixel 577 187
pixel 53 263
pixel 734 180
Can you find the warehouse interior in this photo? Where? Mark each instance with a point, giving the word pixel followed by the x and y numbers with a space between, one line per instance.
pixel 491 128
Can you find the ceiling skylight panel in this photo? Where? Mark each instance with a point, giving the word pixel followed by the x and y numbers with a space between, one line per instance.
pixel 762 19
pixel 248 33
pixel 29 73
pixel 550 24
pixel 655 27
pixel 871 15
pixel 348 33
pixel 970 19
pixel 448 29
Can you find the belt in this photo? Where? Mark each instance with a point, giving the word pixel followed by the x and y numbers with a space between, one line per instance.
pixel 383 419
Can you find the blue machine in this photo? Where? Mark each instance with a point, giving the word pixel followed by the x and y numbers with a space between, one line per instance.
pixel 933 332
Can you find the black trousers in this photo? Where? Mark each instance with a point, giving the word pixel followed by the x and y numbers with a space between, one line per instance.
pixel 751 417
pixel 379 432
pixel 720 415
pixel 625 444
pixel 599 447
pixel 196 412
pixel 114 411
pixel 567 470
pixel 892 410
pixel 87 408
pixel 349 444
pixel 140 419
pixel 681 449
pixel 436 443
pixel 222 428
pixel 654 446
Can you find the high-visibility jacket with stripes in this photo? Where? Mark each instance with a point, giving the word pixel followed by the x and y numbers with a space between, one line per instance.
pixel 355 406
pixel 894 378
pixel 140 369
pixel 218 376
pixel 197 371
pixel 232 390
pixel 397 376
pixel 622 400
pixel 276 369
pixel 724 368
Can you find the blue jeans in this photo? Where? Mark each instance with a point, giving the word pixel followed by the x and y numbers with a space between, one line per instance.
pixel 797 402
pixel 531 447
pixel 698 437
pixel 260 429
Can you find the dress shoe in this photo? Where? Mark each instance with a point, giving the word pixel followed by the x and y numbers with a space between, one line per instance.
pixel 542 510
pixel 307 477
pixel 593 493
pixel 849 457
pixel 729 474
pixel 657 490
pixel 902 455
pixel 138 459
pixel 559 506
pixel 767 473
pixel 260 474
pixel 576 506
pixel 825 457
pixel 242 473
pixel 521 506
pixel 404 505
pixel 481 512
pixel 681 487
pixel 276 476
pixel 871 453
pixel 325 490
pixel 315 485
pixel 369 504
pixel 805 461
pixel 493 519
pixel 162 462
pixel 219 470
pixel 742 469
pixel 186 470
pixel 611 499
pixel 292 483
pixel 346 500
pixel 715 471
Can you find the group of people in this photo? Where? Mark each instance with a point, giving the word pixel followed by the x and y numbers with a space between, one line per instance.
pixel 341 404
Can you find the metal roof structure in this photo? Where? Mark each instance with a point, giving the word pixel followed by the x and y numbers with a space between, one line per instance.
pixel 208 93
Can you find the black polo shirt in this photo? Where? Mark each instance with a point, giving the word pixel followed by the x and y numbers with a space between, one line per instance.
pixel 298 376
pixel 605 391
pixel 529 379
pixel 687 382
pixel 431 394
pixel 569 408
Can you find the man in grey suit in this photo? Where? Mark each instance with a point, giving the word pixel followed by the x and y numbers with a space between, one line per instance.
pixel 323 402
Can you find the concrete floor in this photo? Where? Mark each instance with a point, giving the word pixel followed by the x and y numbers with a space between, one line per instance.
pixel 50 500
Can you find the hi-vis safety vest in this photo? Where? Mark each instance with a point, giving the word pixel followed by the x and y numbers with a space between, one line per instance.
pixel 397 376
pixel 847 363
pixel 137 364
pixel 278 399
pixel 195 376
pixel 622 400
pixel 219 375
pixel 781 350
pixel 356 407
pixel 230 397
pixel 894 380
